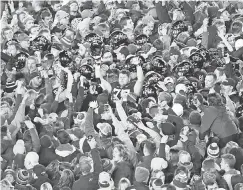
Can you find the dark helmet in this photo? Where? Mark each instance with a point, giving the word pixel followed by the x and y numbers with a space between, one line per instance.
pixel 152 78
pixel 87 71
pixel 159 65
pixel 117 39
pixel 205 54
pixel 141 39
pixel 40 43
pixel 197 60
pixel 185 67
pixel 149 91
pixel 65 58
pixel 178 27
pixel 94 39
pixel 20 60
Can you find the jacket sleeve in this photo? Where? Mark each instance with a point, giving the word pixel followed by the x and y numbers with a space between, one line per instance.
pixel 162 151
pixel 207 121
pixel 162 13
pixel 49 95
pixel 126 140
pixel 79 100
pixel 121 113
pixel 97 160
pixel 67 122
pixel 54 106
pixel 35 140
pixel 16 107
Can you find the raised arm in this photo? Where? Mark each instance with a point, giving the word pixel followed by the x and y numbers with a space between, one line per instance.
pixel 139 84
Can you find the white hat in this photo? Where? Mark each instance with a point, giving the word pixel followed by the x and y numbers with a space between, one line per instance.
pixel 180 87
pixel 238 44
pixel 168 80
pixel 19 147
pixel 158 164
pixel 178 109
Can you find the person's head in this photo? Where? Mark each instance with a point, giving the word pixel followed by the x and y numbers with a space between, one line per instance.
pixel 124 183
pixel 6 185
pixel 220 25
pixel 66 179
pixel 169 84
pixel 104 29
pixel 149 147
pixel 24 41
pixel 12 49
pixel 122 53
pixel 120 153
pixel 6 110
pixel 141 174
pixel 46 186
pixel 210 80
pixel 147 30
pixel 86 165
pixel 214 99
pixel 46 16
pixel 105 129
pixel 63 136
pixel 7 33
pixel 224 15
pixel 34 30
pixel 104 112
pixel 9 175
pixel 130 34
pixel 236 27
pixel 56 5
pixel 31 64
pixel 28 22
pixel 5 133
pixel 53 169
pixel 227 162
pixel 227 86
pixel 36 81
pixel 105 181
pixel 126 22
pixel 73 6
pixel 124 78
pixel 107 57
pixel 46 33
pixel 209 180
pixel 31 159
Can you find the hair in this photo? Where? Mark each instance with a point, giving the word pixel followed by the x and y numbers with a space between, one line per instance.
pixel 150 146
pixel 6 29
pixel 123 21
pixel 229 159
pixel 45 14
pixel 168 187
pixel 214 99
pixel 123 151
pixel 63 136
pixel 124 183
pixel 125 72
pixel 218 23
pixel 236 27
pixel 52 170
pixel 44 30
pixel 212 74
pixel 209 178
pixel 4 130
pixel 175 155
pixel 66 179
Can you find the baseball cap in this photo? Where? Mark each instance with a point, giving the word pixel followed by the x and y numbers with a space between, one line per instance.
pixel 168 80
pixel 229 82
pixel 105 180
pixel 105 128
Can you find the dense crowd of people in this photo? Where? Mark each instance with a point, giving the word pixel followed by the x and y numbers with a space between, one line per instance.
pixel 121 95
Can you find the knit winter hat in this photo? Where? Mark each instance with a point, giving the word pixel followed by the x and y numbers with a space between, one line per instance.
pixel 107 164
pixel 181 177
pixel 31 159
pixel 85 164
pixel 64 150
pixel 19 147
pixel 158 164
pixel 141 174
pixel 195 118
pixel 22 177
pixel 178 109
pixel 66 42
pixel 213 150
pixel 10 86
pixel 8 171
pixel 185 160
pixel 45 141
pixel 39 170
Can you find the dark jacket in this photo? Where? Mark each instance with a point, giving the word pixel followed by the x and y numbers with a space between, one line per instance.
pixel 146 162
pixel 122 169
pixel 218 121
pixel 47 155
pixel 90 181
pixel 138 186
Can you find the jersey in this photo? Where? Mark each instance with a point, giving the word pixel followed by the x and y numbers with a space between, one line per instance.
pixel 118 92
